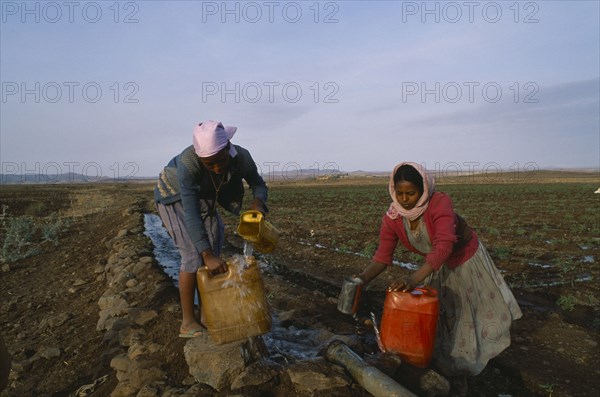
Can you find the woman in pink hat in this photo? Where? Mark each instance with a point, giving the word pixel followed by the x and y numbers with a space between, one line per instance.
pixel 206 173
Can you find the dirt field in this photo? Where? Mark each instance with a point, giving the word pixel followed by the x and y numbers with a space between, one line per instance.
pixel 544 235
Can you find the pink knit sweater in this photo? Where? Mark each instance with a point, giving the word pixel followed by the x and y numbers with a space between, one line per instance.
pixel 440 221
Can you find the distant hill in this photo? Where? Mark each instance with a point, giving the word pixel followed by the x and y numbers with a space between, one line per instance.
pixel 294 174
pixel 71 177
pixel 369 173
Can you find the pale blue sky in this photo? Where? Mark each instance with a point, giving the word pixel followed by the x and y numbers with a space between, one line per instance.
pixel 361 77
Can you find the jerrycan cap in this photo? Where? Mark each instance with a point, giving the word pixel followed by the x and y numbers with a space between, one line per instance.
pixel 423 291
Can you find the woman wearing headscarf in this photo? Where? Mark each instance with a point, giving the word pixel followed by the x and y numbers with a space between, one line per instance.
pixel 205 174
pixel 476 306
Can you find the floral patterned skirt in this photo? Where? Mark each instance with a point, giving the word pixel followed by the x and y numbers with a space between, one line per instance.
pixel 476 312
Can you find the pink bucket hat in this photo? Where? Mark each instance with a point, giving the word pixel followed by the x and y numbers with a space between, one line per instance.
pixel 211 136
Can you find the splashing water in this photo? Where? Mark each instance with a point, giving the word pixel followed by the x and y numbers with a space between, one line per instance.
pixel 377 335
pixel 248 248
pixel 245 294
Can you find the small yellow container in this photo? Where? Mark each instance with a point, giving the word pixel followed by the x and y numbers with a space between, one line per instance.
pixel 255 229
pixel 234 303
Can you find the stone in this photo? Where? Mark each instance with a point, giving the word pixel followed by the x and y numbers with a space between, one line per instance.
pixel 49 352
pixel 126 252
pixel 43 325
pixel 120 279
pixel 142 316
pixel 353 341
pixel 387 363
pixel 117 323
pixel 21 366
pixel 160 286
pixel 315 377
pixel 146 259
pixel 6 268
pixel 219 365
pixel 79 282
pixel 141 267
pixel 137 230
pixel 112 259
pixel 148 391
pixel 120 363
pixel 140 349
pixel 171 391
pixel 143 372
pixel 117 303
pixel 131 283
pixel 134 290
pixel 99 269
pixel 190 380
pixel 58 320
pixel 124 389
pixel 104 317
pixel 122 233
pixel 130 336
pixel 434 384
pixel 286 317
pixel 128 211
pixel 256 374
pixel 200 390
pixel 116 269
pixel 110 337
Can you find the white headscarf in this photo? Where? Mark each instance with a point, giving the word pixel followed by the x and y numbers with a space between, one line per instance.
pixel 396 209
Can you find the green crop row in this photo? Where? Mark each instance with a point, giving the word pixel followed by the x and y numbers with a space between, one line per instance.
pixel 22 236
pixel 520 224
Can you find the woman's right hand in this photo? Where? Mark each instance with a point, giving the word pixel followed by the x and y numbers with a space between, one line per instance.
pixel 373 270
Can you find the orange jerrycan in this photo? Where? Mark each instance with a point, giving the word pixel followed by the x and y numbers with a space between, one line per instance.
pixel 409 323
pixel 234 303
pixel 255 229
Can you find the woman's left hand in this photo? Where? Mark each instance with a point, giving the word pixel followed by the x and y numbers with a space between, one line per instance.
pixel 257 205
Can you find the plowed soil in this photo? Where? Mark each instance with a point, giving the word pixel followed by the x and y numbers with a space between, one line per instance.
pixel 543 235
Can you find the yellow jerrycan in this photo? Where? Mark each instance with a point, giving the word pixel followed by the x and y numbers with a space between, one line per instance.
pixel 255 229
pixel 234 303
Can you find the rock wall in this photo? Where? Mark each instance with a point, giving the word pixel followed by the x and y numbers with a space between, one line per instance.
pixel 129 306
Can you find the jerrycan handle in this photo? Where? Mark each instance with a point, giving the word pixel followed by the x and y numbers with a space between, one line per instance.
pixel 426 290
pixel 227 274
